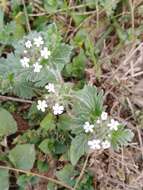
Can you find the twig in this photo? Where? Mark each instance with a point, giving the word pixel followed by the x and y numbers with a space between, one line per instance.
pixel 5 98
pixel 26 15
pixel 63 10
pixel 132 15
pixel 140 140
pixel 135 75
pixel 80 25
pixel 85 13
pixel 120 183
pixel 81 173
pixel 132 52
pixel 97 15
pixel 38 175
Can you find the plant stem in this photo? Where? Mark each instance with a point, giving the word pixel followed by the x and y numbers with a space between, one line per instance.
pixel 6 98
pixel 63 10
pixel 38 175
pixel 132 7
pixel 26 15
pixel 82 172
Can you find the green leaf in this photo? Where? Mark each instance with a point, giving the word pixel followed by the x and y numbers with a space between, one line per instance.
pixel 87 182
pixel 65 122
pixel 122 34
pixel 61 56
pixel 52 36
pixel 4 179
pixel 53 5
pixel 8 66
pixel 78 148
pixel 24 180
pixel 121 137
pixel 11 33
pixel 80 38
pixel 42 166
pixel 8 125
pixel 78 19
pixel 109 6
pixel 60 147
pixel 77 67
pixel 42 78
pixel 48 122
pixel 67 174
pixel 89 105
pixel 51 186
pixel 23 156
pixel 1 18
pixel 24 89
pixel 47 146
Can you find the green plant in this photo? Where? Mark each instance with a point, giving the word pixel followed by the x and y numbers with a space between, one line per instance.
pixel 73 123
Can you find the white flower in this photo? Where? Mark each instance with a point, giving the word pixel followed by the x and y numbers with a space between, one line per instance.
pixel 106 144
pixel 87 127
pixel 113 125
pixel 28 44
pixel 25 62
pixel 25 51
pixel 45 53
pixel 98 121
pixel 104 116
pixel 37 67
pixel 50 87
pixel 94 144
pixel 38 41
pixel 58 109
pixel 42 105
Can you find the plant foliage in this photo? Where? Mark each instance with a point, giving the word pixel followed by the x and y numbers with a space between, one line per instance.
pixel 56 67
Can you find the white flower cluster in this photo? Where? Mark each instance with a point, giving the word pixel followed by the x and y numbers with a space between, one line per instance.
pixel 43 53
pixel 89 128
pixel 97 144
pixel 113 124
pixel 42 104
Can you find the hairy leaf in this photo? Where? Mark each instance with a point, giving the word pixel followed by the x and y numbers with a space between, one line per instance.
pixel 66 174
pixel 7 124
pixel 89 105
pixel 47 146
pixel 61 56
pixel 24 89
pixel 121 137
pixel 78 148
pixel 11 33
pixel 23 156
pixel 4 179
pixel 48 122
pixel 109 6
pixel 77 67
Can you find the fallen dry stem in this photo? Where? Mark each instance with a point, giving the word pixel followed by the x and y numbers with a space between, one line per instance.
pixel 6 98
pixel 82 172
pixel 37 175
